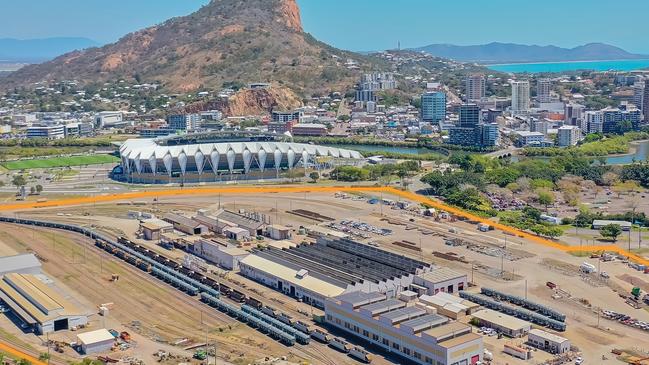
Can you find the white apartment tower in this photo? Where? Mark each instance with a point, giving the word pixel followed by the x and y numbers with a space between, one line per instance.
pixel 520 97
pixel 543 88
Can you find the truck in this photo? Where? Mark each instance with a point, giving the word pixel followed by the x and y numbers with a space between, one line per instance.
pixel 587 268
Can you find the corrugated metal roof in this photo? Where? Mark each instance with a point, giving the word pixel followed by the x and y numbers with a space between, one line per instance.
pixel 15 263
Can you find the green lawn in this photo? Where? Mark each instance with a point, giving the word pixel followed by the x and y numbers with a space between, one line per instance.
pixel 58 162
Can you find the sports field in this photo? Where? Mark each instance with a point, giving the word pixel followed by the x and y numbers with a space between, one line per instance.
pixel 58 162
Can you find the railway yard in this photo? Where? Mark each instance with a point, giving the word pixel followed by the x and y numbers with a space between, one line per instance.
pixel 180 309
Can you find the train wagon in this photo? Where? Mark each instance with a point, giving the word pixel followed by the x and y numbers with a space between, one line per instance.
pixel 237 296
pixel 269 311
pixel 285 318
pixel 321 335
pixel 340 345
pixel 303 327
pixel 254 303
pixel 360 355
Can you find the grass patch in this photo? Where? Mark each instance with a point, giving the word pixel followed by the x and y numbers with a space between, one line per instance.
pixel 59 162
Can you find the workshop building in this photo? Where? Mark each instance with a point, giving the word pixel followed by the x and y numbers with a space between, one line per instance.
pixel 185 224
pixel 503 323
pixel 548 342
pixel 21 264
pixel 153 229
pixel 94 342
pixel 440 279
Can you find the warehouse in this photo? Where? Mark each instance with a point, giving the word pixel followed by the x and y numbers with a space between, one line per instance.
pixel 278 232
pixel 21 264
pixel 250 221
pixel 153 229
pixel 96 341
pixel 410 331
pixel 38 305
pixel 548 342
pixel 599 224
pixel 449 305
pixel 219 253
pixel 503 323
pixel 440 279
pixel 345 264
pixel 185 224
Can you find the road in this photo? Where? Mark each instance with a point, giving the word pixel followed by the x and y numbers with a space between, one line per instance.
pixel 176 192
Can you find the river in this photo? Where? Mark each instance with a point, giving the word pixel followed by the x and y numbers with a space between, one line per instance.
pixel 640 153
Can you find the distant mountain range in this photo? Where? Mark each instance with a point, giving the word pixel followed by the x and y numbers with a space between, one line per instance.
pixel 39 50
pixel 515 53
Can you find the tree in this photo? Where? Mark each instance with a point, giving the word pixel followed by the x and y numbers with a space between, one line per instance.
pixel 545 198
pixel 32 190
pixel 39 188
pixel 611 231
pixel 314 176
pixel 19 181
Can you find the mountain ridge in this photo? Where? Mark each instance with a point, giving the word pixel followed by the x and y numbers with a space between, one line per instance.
pixel 497 52
pixel 224 41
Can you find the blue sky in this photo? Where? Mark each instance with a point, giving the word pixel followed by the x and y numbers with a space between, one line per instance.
pixel 363 24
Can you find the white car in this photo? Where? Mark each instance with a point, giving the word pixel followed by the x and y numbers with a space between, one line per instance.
pixel 579 361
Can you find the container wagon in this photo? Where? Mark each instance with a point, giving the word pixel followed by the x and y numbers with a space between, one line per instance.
pixel 340 345
pixel 321 335
pixel 360 355
pixel 303 327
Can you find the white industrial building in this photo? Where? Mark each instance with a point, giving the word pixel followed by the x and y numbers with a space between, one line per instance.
pixel 548 342
pixel 20 264
pixel 227 257
pixel 440 279
pixel 503 323
pixel 94 342
pixel 410 330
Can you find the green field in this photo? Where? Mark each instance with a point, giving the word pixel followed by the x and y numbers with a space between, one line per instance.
pixel 58 162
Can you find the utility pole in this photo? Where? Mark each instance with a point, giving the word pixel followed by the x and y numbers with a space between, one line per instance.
pixel 525 289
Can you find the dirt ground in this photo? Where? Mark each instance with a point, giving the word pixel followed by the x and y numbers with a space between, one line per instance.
pixel 527 267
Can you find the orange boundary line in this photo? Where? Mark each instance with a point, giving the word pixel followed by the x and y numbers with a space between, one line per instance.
pixel 306 189
pixel 19 355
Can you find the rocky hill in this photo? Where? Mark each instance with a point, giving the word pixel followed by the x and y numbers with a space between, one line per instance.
pixel 223 42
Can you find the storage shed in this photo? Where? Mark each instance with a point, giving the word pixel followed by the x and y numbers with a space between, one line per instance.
pixel 96 341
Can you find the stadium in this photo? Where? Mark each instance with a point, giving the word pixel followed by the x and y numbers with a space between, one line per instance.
pixel 179 159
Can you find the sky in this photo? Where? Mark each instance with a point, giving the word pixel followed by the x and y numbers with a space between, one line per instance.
pixel 362 25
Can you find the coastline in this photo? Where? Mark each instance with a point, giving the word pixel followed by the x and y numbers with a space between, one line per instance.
pixel 552 62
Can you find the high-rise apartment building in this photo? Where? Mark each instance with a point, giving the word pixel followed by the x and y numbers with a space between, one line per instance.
pixel 573 114
pixel 568 135
pixel 433 106
pixel 543 88
pixel 520 97
pixel 638 94
pixel 475 86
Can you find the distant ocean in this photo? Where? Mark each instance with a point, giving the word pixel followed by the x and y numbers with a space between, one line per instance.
pixel 619 65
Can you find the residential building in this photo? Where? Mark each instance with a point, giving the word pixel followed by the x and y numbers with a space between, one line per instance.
pixel 594 121
pixel 475 86
pixel 413 332
pixel 568 135
pixel 489 134
pixel 638 95
pixel 184 122
pixel 548 342
pixel 618 120
pixel 48 132
pixel 463 136
pixel 543 89
pixel 573 114
pixel 541 126
pixel 285 117
pixel 524 138
pixel 433 107
pixel 520 97
pixel 645 102
pixel 491 115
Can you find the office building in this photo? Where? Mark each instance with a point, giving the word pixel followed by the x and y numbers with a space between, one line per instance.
pixel 543 89
pixel 109 119
pixel 573 114
pixel 47 132
pixel 310 129
pixel 469 115
pixel 433 107
pixel 541 126
pixel 520 97
pixel 568 135
pixel 404 327
pixel 489 134
pixel 475 86
pixel 491 115
pixel 548 342
pixel 463 136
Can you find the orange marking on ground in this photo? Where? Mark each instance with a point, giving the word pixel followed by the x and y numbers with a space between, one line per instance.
pixel 305 189
pixel 19 355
